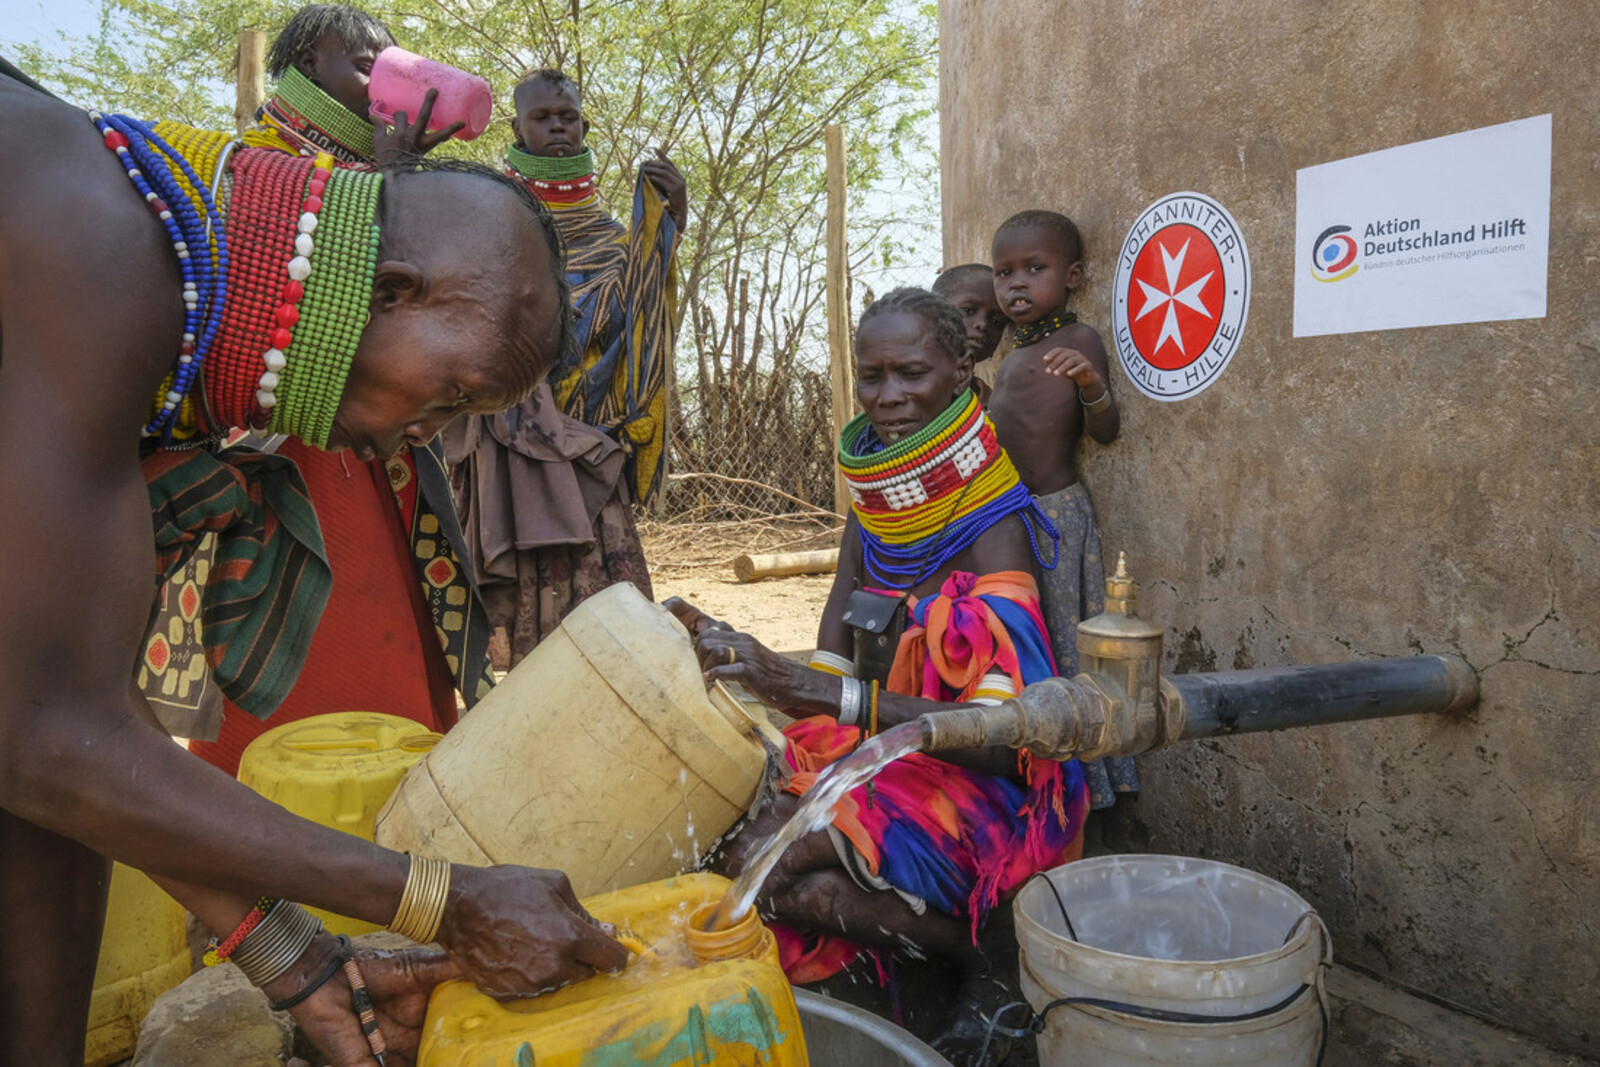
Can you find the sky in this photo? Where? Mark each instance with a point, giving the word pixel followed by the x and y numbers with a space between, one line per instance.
pixel 40 22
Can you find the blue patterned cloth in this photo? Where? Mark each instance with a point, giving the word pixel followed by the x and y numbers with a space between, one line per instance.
pixel 1073 591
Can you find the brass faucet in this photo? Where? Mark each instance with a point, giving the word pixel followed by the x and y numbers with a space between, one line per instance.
pixel 1120 705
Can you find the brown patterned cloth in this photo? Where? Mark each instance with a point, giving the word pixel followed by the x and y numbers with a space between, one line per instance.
pixel 1076 590
pixel 546 515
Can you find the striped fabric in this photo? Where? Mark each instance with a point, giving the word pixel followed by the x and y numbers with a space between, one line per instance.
pixel 270 579
pixel 625 295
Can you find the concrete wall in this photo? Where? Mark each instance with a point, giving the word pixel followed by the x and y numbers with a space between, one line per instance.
pixel 1426 490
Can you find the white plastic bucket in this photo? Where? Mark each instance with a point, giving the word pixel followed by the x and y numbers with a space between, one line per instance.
pixel 1192 961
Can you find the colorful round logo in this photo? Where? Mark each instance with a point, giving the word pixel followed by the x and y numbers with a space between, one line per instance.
pixel 1182 295
pixel 1333 255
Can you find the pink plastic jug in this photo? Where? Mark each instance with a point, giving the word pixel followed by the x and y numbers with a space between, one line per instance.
pixel 400 80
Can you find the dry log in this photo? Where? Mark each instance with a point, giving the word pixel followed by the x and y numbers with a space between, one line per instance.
pixel 780 564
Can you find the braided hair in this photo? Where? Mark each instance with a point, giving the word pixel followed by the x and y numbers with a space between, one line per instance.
pixel 314 22
pixel 941 317
pixel 1068 240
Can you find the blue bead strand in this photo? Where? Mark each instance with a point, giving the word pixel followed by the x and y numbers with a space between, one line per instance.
pixel 191 236
pixel 903 566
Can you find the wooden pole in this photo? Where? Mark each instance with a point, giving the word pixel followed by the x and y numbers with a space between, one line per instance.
pixel 838 307
pixel 782 564
pixel 252 88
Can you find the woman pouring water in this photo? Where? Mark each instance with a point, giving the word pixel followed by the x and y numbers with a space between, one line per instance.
pixel 935 603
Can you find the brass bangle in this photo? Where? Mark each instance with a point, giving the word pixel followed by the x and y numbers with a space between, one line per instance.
pixel 422 902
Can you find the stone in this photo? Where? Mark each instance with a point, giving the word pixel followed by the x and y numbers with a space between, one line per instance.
pixel 215 1016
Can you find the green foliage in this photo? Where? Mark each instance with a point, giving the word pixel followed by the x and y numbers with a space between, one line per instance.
pixel 738 92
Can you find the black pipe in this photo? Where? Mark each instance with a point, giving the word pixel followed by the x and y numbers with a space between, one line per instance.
pixel 1278 698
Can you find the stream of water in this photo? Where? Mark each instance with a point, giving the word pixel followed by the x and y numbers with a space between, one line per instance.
pixel 815 812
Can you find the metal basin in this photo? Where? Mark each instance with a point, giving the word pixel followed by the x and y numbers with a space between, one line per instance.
pixel 847 1036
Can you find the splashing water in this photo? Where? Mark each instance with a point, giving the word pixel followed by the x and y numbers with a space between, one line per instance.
pixel 815 812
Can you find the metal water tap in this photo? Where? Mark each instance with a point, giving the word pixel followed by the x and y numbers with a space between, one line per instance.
pixel 1120 705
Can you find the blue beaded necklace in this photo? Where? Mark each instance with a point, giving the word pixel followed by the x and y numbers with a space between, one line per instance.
pixel 149 161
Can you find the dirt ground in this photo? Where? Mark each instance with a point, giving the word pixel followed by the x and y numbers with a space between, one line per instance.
pixel 781 613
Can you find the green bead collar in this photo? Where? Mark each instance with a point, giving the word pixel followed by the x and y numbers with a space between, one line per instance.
pixel 550 168
pixel 326 114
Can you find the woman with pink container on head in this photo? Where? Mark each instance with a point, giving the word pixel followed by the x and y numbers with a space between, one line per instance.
pixel 339 69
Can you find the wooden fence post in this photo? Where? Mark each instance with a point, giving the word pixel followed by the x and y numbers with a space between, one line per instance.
pixel 838 307
pixel 252 88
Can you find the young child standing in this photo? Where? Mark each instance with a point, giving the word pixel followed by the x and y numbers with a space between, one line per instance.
pixel 1053 387
pixel 970 287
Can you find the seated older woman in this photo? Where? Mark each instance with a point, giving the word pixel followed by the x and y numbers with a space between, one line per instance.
pixel 938 513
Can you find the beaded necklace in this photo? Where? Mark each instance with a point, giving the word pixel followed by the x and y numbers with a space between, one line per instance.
pixel 923 500
pixel 311 258
pixel 304 240
pixel 1031 333
pixel 313 121
pixel 195 228
pixel 560 181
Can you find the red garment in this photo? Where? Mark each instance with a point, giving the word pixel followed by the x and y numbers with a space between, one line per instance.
pixel 375 648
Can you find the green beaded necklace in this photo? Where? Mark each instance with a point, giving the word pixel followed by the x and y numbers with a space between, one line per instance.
pixel 304 112
pixel 550 168
pixel 333 311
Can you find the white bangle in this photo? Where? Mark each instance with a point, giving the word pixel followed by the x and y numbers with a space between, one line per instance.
pixel 1097 402
pixel 849 701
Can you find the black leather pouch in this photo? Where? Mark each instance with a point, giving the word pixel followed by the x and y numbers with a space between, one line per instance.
pixel 878 619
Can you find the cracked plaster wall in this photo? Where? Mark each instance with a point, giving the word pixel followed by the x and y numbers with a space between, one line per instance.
pixel 1427 490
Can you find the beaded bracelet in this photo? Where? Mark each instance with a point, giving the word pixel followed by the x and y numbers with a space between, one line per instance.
pixel 276 943
pixel 218 952
pixel 341 956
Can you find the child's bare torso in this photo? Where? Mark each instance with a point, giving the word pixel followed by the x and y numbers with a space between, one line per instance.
pixel 1037 415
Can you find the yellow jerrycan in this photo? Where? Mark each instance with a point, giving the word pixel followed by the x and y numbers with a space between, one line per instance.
pixel 601 754
pixel 687 997
pixel 337 770
pixel 143 953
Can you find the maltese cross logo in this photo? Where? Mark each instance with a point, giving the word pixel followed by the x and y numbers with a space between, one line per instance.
pixel 1182 293
pixel 1174 291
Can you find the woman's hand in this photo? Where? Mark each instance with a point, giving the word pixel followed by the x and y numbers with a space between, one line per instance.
pixel 519 932
pixel 399 984
pixel 391 144
pixel 666 177
pixel 727 655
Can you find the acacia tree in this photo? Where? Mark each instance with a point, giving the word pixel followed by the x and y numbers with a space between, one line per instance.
pixel 737 91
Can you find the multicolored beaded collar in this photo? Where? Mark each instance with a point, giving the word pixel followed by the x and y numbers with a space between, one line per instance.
pixel 560 181
pixel 1023 335
pixel 312 121
pixel 294 250
pixel 922 500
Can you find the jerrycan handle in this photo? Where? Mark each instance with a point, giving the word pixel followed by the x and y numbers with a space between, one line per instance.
pixel 753 718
